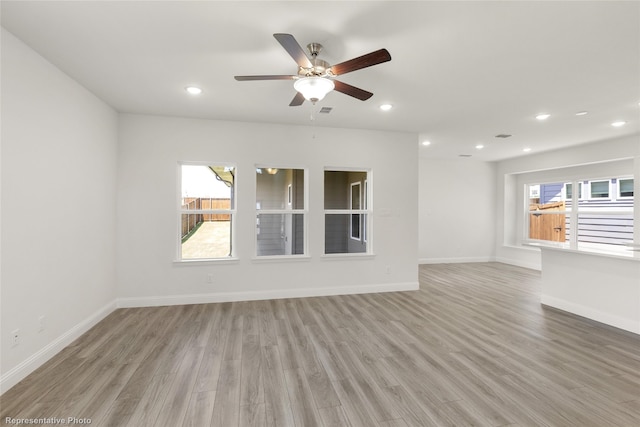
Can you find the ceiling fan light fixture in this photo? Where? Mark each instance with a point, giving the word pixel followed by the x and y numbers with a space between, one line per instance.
pixel 314 89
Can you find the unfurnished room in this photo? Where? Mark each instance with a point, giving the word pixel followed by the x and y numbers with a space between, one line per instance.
pixel 320 213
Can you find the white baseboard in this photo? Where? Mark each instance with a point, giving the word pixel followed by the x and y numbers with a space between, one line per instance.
pixel 517 263
pixel 592 313
pixel 263 295
pixel 454 260
pixel 19 372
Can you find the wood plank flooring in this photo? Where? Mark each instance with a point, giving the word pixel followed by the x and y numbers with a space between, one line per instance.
pixel 472 347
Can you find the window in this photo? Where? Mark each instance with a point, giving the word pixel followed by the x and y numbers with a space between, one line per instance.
pixel 568 190
pixel 365 206
pixel 207 211
pixel 355 205
pixel 347 211
pixel 625 187
pixel 600 221
pixel 599 189
pixel 547 211
pixel 281 212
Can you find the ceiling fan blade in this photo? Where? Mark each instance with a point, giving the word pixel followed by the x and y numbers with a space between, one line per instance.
pixel 364 61
pixel 294 49
pixel 267 77
pixel 297 100
pixel 356 92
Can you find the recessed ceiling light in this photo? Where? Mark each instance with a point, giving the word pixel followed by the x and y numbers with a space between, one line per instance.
pixel 582 113
pixel 193 90
pixel 479 146
pixel 386 107
pixel 543 116
pixel 526 150
pixel 425 143
pixel 618 123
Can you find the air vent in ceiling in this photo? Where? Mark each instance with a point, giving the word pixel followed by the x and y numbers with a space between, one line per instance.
pixel 325 110
pixel 464 155
pixel 503 135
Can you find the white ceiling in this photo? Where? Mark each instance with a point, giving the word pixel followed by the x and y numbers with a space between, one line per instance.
pixel 461 72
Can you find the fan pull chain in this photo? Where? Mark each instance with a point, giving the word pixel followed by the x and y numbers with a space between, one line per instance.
pixel 312 118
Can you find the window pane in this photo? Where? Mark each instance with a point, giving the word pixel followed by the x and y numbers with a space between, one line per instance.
pixel 550 227
pixel 601 221
pixel 595 228
pixel 544 201
pixel 279 188
pixel 207 182
pixel 339 234
pixel 280 234
pixel 355 226
pixel 206 235
pixel 204 239
pixel 599 189
pixel 337 188
pixel 355 195
pixel 569 190
pixel 626 187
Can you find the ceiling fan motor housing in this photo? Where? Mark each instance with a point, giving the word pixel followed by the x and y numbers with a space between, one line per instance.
pixel 319 67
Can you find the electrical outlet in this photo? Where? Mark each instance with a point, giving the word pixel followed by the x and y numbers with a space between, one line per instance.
pixel 41 323
pixel 388 269
pixel 209 278
pixel 15 338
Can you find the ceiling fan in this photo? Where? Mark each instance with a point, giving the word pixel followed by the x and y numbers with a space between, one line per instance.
pixel 315 77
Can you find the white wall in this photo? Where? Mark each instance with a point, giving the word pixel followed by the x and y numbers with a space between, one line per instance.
pixel 602 288
pixel 151 147
pixel 58 173
pixel 456 210
pixel 594 157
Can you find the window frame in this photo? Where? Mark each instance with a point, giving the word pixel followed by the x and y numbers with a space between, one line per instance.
pixel 365 200
pixel 564 190
pixel 590 192
pixel 526 237
pixel 619 190
pixel 353 217
pixel 287 209
pixel 366 212
pixel 232 212
pixel 574 208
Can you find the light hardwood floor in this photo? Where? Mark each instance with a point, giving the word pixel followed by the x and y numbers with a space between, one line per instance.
pixel 472 347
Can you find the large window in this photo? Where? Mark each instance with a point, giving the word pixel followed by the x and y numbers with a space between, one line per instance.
pixel 602 219
pixel 281 211
pixel 347 212
pixel 207 211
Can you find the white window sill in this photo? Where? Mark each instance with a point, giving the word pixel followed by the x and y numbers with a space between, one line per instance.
pixel 630 252
pixel 348 256
pixel 281 258
pixel 205 261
